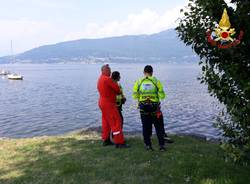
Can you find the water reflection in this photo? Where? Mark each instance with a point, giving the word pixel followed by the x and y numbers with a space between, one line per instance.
pixel 54 99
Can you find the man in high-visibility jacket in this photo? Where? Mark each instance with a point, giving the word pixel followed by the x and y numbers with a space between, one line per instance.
pixel 149 91
pixel 111 119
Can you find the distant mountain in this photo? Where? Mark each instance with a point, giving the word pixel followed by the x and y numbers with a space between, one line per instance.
pixel 160 47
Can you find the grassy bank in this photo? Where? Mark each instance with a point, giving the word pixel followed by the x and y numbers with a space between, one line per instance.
pixel 82 159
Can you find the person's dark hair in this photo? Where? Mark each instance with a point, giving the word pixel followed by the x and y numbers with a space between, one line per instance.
pixel 148 69
pixel 115 75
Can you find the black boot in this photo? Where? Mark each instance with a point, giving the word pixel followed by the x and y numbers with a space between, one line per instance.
pixel 162 148
pixel 107 142
pixel 168 139
pixel 149 148
pixel 122 145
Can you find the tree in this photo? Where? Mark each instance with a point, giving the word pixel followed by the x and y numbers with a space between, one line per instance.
pixel 225 71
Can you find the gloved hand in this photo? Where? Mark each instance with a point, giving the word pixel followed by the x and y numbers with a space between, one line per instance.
pixel 123 100
pixel 158 114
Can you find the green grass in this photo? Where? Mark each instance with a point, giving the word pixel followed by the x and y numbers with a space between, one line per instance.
pixel 82 159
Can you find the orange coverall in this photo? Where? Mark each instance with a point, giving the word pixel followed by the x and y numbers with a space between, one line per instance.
pixel 111 120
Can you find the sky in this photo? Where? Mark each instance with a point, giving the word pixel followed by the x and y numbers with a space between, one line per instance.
pixel 33 23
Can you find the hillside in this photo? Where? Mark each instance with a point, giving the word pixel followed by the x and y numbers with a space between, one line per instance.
pixel 160 47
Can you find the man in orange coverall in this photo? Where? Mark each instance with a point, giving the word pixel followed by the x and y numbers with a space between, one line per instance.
pixel 111 119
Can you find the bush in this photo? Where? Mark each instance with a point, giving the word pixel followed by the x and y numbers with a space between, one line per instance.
pixel 225 71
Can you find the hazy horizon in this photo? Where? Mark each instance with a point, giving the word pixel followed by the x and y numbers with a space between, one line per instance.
pixel 33 23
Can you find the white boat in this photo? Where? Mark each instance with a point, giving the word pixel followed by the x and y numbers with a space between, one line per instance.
pixel 15 76
pixel 4 72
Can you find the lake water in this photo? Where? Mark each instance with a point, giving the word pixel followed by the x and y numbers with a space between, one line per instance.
pixel 58 98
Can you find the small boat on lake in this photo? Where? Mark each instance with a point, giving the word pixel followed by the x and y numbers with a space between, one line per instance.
pixel 4 72
pixel 15 76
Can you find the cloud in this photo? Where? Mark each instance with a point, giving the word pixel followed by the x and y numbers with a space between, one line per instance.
pixel 26 34
pixel 145 22
pixel 47 3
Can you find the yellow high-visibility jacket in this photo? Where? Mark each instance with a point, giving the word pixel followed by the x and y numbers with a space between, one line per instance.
pixel 120 97
pixel 148 88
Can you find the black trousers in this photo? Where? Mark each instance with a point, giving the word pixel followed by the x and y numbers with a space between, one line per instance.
pixel 148 120
pixel 120 112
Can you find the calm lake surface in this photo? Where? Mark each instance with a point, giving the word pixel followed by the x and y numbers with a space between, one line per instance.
pixel 58 98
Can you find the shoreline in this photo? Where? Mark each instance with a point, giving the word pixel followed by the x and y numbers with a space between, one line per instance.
pixel 139 134
pixel 97 131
